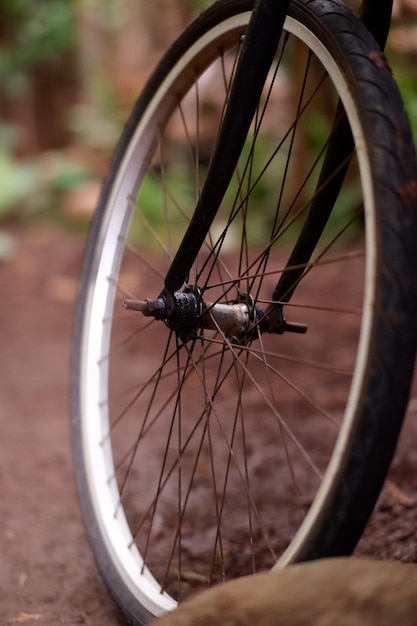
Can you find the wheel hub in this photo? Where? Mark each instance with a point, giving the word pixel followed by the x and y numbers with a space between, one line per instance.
pixel 241 320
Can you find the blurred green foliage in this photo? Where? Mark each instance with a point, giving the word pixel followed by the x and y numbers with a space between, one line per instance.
pixel 32 31
pixel 34 185
pixel 33 34
pixel 404 70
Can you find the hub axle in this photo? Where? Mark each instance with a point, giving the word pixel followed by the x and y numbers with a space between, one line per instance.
pixel 186 312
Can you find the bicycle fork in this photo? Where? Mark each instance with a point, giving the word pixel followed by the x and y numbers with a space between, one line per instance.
pixel 184 311
pixel 258 50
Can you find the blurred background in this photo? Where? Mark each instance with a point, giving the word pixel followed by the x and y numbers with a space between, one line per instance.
pixel 70 71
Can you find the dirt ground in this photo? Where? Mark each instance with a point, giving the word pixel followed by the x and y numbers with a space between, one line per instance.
pixel 47 573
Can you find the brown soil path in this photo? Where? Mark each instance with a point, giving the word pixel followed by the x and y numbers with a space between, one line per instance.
pixel 47 574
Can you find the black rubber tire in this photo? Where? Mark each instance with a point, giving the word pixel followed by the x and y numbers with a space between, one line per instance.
pixel 384 393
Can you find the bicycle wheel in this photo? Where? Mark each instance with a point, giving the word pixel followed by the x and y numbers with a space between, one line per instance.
pixel 250 418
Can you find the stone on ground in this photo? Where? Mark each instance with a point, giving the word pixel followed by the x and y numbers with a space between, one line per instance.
pixel 330 592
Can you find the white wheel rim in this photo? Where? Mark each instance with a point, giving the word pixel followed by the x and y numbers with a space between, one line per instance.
pixel 96 335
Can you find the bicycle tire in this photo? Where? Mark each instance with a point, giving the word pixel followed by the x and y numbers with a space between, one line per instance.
pixel 374 403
